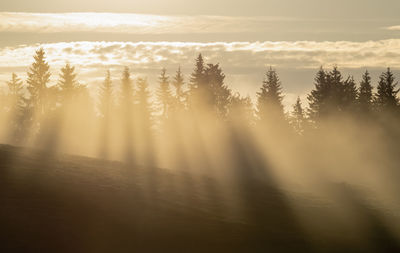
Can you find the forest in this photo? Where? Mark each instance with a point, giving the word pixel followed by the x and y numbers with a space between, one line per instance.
pixel 196 161
pixel 126 121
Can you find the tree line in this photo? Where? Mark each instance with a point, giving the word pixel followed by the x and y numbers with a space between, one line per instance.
pixel 34 110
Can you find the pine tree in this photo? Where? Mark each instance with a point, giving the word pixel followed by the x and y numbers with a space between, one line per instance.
pixel 105 108
pixel 336 91
pixel 67 84
pixel 298 117
pixel 127 89
pixel 197 82
pixel 349 98
pixel 269 101
pixel 318 96
pixel 127 103
pixel 178 84
pixel 15 95
pixel 332 95
pixel 365 96
pixel 386 96
pixel 164 94
pixel 143 100
pixel 16 108
pixel 38 78
pixel 217 93
pixel 105 96
pixel 197 77
pixel 241 109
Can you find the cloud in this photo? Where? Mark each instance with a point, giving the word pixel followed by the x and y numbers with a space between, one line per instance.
pixel 393 28
pixel 131 23
pixel 234 55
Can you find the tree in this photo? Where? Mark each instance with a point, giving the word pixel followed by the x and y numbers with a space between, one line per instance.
pixel 144 105
pixel 127 103
pixel 197 81
pixel 105 96
pixel 241 109
pixel 15 95
pixel 38 78
pixel 144 123
pixel 127 89
pixel 331 95
pixel 318 96
pixel 178 84
pixel 105 110
pixel 67 83
pixel 349 98
pixel 197 77
pixel 215 90
pixel 386 96
pixel 164 94
pixel 15 106
pixel 298 117
pixel 269 100
pixel 365 96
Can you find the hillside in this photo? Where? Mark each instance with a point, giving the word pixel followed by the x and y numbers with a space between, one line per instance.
pixel 63 203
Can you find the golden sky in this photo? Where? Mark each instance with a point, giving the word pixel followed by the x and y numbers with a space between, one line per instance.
pixel 246 37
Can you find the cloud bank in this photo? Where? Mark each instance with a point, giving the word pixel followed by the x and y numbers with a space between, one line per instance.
pixel 130 23
pixel 243 62
pixel 233 55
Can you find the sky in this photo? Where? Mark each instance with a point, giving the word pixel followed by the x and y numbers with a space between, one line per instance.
pixel 246 37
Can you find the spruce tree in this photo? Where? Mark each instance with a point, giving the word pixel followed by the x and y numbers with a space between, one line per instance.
pixel 386 96
pixel 105 96
pixel 365 96
pixel 143 100
pixel 164 94
pixel 197 82
pixel 38 78
pixel 178 84
pixel 269 100
pixel 197 77
pixel 298 117
pixel 16 109
pixel 318 95
pixel 67 84
pixel 127 89
pixel 241 109
pixel 349 97
pixel 127 103
pixel 215 91
pixel 15 94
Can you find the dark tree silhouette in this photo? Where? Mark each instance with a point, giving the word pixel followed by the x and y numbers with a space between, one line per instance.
pixel 318 96
pixel 350 94
pixel 197 81
pixel 216 91
pixel 386 95
pixel 269 98
pixel 38 79
pixel 365 96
